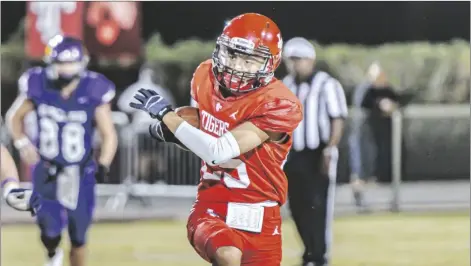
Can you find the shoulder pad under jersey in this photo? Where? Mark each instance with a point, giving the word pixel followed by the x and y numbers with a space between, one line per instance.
pixel 100 89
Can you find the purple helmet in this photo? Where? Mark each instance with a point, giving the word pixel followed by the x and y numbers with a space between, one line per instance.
pixel 66 58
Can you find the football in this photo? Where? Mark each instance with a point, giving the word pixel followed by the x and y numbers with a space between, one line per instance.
pixel 190 114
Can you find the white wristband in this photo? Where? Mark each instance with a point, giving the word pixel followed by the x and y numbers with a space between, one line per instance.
pixel 21 143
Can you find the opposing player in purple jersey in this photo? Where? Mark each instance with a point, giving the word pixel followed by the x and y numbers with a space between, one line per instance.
pixel 69 102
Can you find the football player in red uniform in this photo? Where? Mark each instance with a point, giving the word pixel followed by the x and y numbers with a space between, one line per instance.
pixel 247 117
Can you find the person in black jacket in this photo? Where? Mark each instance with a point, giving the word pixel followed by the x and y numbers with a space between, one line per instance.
pixel 381 100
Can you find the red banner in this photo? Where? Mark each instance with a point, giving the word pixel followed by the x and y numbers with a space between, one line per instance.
pixel 113 29
pixel 47 19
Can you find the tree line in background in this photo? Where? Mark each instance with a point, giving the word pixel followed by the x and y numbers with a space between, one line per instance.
pixel 431 73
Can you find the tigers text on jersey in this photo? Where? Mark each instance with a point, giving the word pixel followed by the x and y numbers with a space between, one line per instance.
pixel 213 125
pixel 65 126
pixel 258 175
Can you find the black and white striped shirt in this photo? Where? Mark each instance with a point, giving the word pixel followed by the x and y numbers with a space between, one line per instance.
pixel 323 99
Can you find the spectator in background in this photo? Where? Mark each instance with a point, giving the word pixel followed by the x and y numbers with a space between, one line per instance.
pixel 152 163
pixel 361 145
pixel 381 101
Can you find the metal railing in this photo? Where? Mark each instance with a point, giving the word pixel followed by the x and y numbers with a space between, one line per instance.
pixel 422 112
pixel 146 168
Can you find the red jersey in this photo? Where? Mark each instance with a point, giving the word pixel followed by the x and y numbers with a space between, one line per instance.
pixel 257 175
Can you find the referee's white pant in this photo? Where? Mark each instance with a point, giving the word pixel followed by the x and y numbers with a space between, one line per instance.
pixel 311 201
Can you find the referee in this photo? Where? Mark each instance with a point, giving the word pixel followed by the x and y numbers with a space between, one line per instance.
pixel 312 164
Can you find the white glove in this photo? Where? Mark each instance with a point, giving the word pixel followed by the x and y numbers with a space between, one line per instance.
pixel 20 198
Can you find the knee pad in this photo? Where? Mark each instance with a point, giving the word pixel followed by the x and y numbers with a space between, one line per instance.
pixel 77 243
pixel 51 243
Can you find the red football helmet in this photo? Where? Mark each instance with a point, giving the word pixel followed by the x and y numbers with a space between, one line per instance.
pixel 247 53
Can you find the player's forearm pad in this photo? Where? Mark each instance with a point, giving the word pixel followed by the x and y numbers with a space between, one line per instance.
pixel 212 150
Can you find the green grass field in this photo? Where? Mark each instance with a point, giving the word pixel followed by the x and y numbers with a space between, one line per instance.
pixel 376 240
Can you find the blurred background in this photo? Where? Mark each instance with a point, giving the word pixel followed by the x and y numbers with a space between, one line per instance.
pixel 421 49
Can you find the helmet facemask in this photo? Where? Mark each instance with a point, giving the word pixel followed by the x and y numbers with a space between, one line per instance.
pixel 239 67
pixel 63 73
pixel 66 60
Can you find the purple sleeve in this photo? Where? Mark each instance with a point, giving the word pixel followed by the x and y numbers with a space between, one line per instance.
pixel 101 89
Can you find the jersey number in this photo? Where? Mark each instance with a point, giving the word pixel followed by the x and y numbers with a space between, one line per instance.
pixel 72 149
pixel 238 178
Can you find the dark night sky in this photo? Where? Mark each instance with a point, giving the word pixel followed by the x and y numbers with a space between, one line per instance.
pixel 327 22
